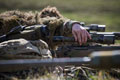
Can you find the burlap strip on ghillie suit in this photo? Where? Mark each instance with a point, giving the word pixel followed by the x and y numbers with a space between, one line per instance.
pixel 50 12
pixel 12 19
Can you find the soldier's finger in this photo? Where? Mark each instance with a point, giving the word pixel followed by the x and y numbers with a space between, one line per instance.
pixel 79 38
pixel 75 36
pixel 86 37
pixel 83 36
pixel 89 35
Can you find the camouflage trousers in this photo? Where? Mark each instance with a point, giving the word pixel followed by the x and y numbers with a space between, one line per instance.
pixel 24 49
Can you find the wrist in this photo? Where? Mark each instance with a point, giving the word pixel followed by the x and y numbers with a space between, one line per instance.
pixel 70 24
pixel 76 24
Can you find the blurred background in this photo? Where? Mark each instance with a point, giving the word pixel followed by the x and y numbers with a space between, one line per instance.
pixel 89 11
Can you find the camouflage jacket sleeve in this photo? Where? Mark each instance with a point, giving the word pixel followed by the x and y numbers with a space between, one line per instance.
pixel 67 26
pixel 61 26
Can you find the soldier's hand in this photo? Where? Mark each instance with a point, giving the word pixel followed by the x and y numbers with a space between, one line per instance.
pixel 80 34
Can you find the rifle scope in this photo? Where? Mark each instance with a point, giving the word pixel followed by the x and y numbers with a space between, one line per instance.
pixel 102 39
pixel 96 27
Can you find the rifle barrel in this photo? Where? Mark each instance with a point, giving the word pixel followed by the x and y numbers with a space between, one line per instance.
pixel 95 48
pixel 23 64
pixel 102 60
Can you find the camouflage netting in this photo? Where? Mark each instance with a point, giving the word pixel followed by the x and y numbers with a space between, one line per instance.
pixel 14 18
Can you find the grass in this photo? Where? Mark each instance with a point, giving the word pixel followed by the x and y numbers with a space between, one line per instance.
pixel 98 75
